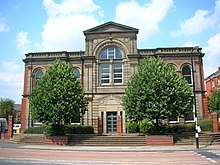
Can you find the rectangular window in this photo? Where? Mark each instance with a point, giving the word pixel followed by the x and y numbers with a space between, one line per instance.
pixel 173 119
pixel 117 73
pixel 190 117
pixel 105 73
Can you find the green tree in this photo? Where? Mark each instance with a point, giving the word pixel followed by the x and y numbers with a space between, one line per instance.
pixel 58 98
pixel 214 102
pixel 156 92
pixel 6 107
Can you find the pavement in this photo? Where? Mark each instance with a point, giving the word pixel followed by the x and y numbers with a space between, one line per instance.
pixel 210 148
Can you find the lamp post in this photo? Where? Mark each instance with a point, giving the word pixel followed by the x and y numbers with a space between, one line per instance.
pixel 194 99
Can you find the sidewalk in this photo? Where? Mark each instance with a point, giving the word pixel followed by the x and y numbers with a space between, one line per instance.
pixel 109 148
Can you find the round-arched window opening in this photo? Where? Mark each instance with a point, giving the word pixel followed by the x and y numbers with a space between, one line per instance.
pixel 38 74
pixel 110 53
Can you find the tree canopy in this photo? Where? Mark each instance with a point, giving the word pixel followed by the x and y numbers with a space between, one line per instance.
pixel 58 97
pixel 6 107
pixel 214 102
pixel 156 92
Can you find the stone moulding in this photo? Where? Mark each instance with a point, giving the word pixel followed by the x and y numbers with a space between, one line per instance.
pixel 159 140
pixel 56 140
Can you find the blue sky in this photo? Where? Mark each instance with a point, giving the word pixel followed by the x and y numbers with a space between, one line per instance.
pixel 56 25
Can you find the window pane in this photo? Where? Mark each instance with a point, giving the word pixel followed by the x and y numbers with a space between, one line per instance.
pixel 117 69
pixel 77 73
pixel 189 117
pixel 38 74
pixel 105 73
pixel 111 53
pixel 188 79
pixel 186 70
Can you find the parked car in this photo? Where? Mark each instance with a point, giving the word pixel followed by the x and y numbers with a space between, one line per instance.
pixel 16 128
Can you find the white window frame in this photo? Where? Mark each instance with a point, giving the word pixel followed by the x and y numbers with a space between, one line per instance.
pixel 112 61
pixel 188 75
pixel 174 121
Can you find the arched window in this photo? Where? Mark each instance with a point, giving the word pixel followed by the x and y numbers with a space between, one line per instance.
pixel 173 66
pixel 77 70
pixel 111 68
pixel 37 76
pixel 187 74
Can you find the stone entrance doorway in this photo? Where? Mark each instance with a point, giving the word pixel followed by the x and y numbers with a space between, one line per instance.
pixel 111 122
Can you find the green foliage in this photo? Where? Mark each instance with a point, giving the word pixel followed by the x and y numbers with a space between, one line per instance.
pixel 205 124
pixel 6 107
pixel 145 126
pixel 37 130
pixel 156 92
pixel 214 102
pixel 58 98
pixel 79 129
pixel 132 126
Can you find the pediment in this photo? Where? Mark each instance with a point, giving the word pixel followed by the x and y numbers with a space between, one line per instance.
pixel 111 27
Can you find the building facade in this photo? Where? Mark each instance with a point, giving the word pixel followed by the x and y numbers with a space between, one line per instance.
pixel 212 82
pixel 110 58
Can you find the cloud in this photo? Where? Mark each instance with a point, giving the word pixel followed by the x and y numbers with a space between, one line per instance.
pixel 3 26
pixel 22 42
pixel 11 80
pixel 145 17
pixel 190 44
pixel 201 21
pixel 212 57
pixel 66 21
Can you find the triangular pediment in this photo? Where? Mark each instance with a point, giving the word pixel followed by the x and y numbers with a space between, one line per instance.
pixel 111 27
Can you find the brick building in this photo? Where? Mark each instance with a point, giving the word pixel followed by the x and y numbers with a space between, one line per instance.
pixel 110 58
pixel 212 82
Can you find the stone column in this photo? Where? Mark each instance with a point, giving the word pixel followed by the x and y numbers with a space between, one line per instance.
pixel 214 122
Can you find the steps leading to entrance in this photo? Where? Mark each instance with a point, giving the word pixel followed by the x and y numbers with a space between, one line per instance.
pixel 27 139
pixel 107 140
pixel 189 139
pixel 114 140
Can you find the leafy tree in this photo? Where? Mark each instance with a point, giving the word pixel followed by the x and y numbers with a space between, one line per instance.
pixel 6 107
pixel 214 102
pixel 156 92
pixel 58 98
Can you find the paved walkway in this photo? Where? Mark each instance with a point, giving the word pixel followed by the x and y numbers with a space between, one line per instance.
pixel 111 148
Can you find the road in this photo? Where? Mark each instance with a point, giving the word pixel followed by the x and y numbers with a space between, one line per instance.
pixel 14 156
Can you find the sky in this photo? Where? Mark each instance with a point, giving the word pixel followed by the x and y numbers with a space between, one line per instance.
pixel 57 25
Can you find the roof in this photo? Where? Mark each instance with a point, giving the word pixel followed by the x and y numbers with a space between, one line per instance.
pixel 111 27
pixel 213 75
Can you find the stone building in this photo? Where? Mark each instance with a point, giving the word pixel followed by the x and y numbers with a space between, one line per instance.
pixel 110 58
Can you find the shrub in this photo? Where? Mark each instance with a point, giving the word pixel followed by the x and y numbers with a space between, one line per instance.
pixel 145 126
pixel 37 130
pixel 205 124
pixel 78 129
pixel 132 126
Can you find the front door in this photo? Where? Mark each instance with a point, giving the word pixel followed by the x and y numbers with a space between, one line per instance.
pixel 111 122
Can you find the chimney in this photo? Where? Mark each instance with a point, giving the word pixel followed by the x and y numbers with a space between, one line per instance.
pixel 219 68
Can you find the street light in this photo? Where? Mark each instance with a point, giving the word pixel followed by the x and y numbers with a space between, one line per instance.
pixel 194 98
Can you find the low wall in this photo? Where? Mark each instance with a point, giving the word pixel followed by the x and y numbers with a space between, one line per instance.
pixel 159 140
pixel 56 140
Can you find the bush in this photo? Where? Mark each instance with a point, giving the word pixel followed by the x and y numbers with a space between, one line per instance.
pixel 132 126
pixel 145 126
pixel 78 129
pixel 37 130
pixel 205 124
